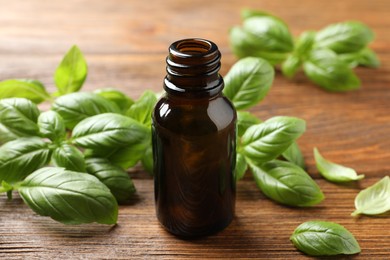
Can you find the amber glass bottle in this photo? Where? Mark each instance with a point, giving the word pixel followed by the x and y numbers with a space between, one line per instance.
pixel 194 143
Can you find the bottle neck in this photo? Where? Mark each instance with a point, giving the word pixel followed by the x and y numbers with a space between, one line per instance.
pixel 193 69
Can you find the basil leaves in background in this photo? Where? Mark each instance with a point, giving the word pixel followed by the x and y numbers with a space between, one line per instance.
pixel 321 238
pixel 23 88
pixel 327 56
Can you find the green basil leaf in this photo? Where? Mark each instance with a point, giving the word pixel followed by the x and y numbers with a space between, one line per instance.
pixel 142 109
pixel 23 88
pixel 51 125
pixel 147 160
pixel 72 72
pixel 248 82
pixel 68 157
pixel 19 116
pixel 304 44
pixel 365 57
pixel 109 131
pixel 334 172
pixel 374 199
pixel 244 121
pixel 114 177
pixel 77 106
pixel 266 141
pixel 328 71
pixel 344 37
pixel 21 157
pixel 286 183
pixel 130 155
pixel 69 197
pixel 320 238
pixel 241 166
pixel 291 65
pixel 293 154
pixel 117 97
pixel 6 135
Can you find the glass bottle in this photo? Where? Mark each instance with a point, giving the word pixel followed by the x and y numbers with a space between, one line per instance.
pixel 194 143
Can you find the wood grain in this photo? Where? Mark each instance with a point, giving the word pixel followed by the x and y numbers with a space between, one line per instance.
pixel 125 44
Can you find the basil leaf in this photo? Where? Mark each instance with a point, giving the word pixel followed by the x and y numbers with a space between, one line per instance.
pixel 334 172
pixel 109 131
pixel 266 141
pixel 21 157
pixel 249 13
pixel 23 88
pixel 72 72
pixel 344 37
pixel 6 135
pixel 374 199
pixel 147 160
pixel 291 65
pixel 19 116
pixel 142 109
pixel 241 166
pixel 365 57
pixel 51 125
pixel 114 177
pixel 286 183
pixel 77 106
pixel 320 238
pixel 304 44
pixel 68 157
pixel 117 97
pixel 328 71
pixel 244 121
pixel 293 154
pixel 69 197
pixel 248 82
pixel 128 156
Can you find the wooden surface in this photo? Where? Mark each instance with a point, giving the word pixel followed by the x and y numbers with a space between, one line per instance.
pixel 125 44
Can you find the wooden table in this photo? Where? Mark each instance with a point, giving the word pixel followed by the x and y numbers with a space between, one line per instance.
pixel 125 44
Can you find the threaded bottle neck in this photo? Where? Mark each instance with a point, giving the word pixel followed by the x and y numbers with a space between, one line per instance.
pixel 192 68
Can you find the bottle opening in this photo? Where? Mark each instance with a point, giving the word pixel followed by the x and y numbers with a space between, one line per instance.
pixel 193 46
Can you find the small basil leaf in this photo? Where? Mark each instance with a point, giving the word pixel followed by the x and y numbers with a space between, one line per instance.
pixel 72 72
pixel 75 107
pixel 142 109
pixel 117 97
pixel 248 82
pixel 304 43
pixel 51 125
pixel 68 157
pixel 286 183
pixel 291 65
pixel 365 57
pixel 147 160
pixel 244 121
pixel 328 71
pixel 374 199
pixel 69 197
pixel 19 116
pixel 344 37
pixel 241 166
pixel 114 177
pixel 23 88
pixel 109 131
pixel 266 141
pixel 320 238
pixel 334 172
pixel 293 154
pixel 128 156
pixel 21 157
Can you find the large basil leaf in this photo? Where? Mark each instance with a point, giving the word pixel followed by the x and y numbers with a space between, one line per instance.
pixel 374 199
pixel 241 166
pixel 245 120
pixel 19 116
pixel 330 72
pixel 114 177
pixel 248 82
pixel 77 106
pixel 334 172
pixel 68 157
pixel 69 197
pixel 266 141
pixel 320 238
pixel 51 125
pixel 109 131
pixel 366 57
pixel 23 88
pixel 344 37
pixel 21 157
pixel 293 154
pixel 117 97
pixel 286 183
pixel 142 109
pixel 72 72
